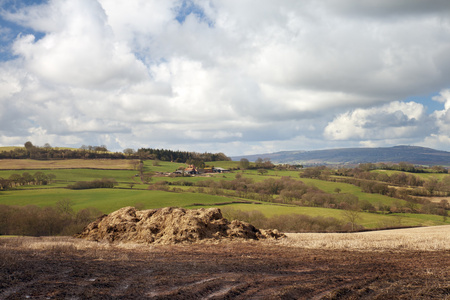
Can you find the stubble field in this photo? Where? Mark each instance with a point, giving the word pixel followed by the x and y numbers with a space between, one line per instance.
pixel 361 266
pixel 31 164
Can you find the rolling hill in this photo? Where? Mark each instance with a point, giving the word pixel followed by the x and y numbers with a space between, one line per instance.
pixel 411 154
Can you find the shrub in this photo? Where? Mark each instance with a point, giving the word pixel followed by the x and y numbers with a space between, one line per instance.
pixel 95 184
pixel 32 220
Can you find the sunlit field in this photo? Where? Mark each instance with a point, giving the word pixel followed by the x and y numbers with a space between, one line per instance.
pixel 423 239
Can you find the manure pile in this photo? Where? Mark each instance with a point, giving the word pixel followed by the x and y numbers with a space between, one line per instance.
pixel 170 225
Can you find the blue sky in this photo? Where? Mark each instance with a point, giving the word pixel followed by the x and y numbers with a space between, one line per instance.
pixel 189 8
pixel 11 30
pixel 239 77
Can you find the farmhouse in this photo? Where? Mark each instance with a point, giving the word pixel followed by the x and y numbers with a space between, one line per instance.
pixel 192 170
pixel 220 170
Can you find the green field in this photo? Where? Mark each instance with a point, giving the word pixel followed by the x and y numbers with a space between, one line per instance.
pixel 330 187
pixel 72 175
pixel 424 176
pixel 368 220
pixel 108 200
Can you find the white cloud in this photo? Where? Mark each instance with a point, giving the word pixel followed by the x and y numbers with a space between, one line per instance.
pixel 441 139
pixel 263 74
pixel 390 9
pixel 396 120
pixel 79 47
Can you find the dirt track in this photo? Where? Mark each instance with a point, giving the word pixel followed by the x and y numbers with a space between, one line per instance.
pixel 238 270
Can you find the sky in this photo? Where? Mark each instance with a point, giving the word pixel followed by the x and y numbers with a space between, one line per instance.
pixel 232 76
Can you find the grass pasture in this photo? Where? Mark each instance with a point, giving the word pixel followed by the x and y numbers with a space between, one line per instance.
pixel 223 164
pixel 161 166
pixel 368 220
pixel 330 187
pixel 107 200
pixel 424 176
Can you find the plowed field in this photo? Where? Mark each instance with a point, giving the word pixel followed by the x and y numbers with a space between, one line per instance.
pixel 66 268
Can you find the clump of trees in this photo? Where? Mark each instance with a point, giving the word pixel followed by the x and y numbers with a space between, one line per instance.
pixel 15 180
pixel 104 183
pixel 32 220
pixel 259 164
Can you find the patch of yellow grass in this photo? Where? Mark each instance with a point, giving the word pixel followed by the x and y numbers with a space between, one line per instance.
pixel 437 199
pixel 30 164
pixel 435 238
pixel 48 243
pixel 424 238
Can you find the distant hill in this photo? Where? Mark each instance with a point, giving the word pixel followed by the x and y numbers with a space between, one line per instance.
pixel 411 154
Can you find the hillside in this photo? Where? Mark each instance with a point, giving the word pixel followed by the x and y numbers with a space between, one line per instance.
pixel 411 154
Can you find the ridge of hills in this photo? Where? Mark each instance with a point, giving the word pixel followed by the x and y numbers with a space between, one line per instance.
pixel 350 156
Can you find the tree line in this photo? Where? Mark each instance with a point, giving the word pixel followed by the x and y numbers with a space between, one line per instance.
pixel 48 152
pixel 402 166
pixel 383 183
pixel 260 164
pixel 15 180
pixel 179 156
pixel 32 220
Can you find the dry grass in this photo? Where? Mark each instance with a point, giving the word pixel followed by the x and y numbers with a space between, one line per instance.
pixel 436 238
pixel 71 245
pixel 437 199
pixel 29 164
pixel 49 243
pixel 423 239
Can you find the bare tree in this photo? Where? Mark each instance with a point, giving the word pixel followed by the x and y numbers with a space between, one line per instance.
pixel 244 163
pixel 430 185
pixel 129 151
pixel 351 216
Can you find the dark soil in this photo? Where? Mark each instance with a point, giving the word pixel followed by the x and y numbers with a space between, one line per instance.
pixel 227 270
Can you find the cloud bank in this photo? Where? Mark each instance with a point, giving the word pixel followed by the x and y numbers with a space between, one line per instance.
pixel 229 76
